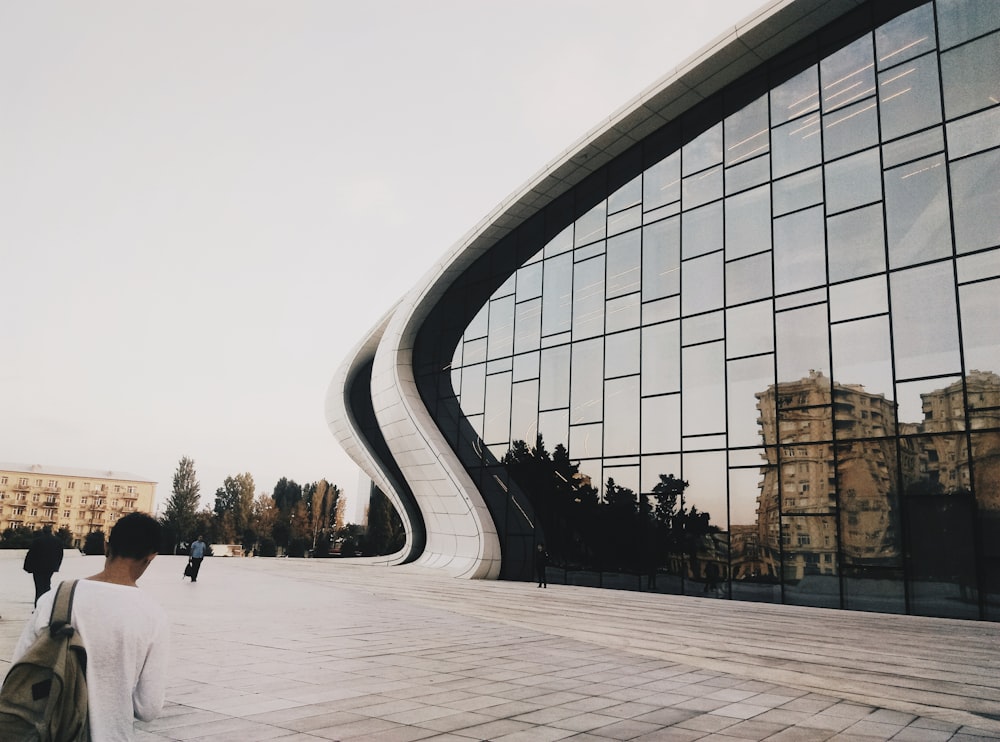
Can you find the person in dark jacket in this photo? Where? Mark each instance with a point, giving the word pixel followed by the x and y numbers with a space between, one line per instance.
pixel 541 562
pixel 44 558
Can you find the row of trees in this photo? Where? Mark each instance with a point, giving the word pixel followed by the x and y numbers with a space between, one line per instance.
pixel 294 519
pixel 624 530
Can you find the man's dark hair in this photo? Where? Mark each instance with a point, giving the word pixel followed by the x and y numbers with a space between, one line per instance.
pixel 135 536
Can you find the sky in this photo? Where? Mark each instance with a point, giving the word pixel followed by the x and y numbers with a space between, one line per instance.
pixel 206 204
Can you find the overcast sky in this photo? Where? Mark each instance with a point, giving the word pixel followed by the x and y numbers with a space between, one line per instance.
pixel 205 204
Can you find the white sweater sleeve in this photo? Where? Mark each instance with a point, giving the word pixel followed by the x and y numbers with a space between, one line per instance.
pixel 147 699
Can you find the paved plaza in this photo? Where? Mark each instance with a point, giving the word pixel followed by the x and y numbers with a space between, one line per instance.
pixel 312 650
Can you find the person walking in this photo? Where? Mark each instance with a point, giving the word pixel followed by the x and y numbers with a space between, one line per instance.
pixel 196 553
pixel 541 562
pixel 125 632
pixel 44 558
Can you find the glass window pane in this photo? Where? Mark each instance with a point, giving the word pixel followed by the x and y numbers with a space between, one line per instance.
pixel 798 191
pixel 905 37
pixel 702 328
pixel 858 299
pixel 526 366
pixel 621 417
pixel 802 342
pixel 747 132
pixel 799 251
pixel 661 424
pixel 587 382
pixel 703 397
pixel 925 321
pixel 975 190
pixel 795 97
pixel 496 421
pixel 701 231
pixel 703 282
pixel 623 264
pixel 796 146
pixel 856 243
pixel 982 265
pixel 586 441
pixel 560 243
pixel 592 226
pixel 524 412
pixel 661 346
pixel 473 388
pixel 853 181
pixel 913 147
pixel 628 195
pixel 701 188
pixel 748 279
pixel 910 97
pixel 554 428
pixel 703 151
pixel 557 298
pixel 974 133
pixel 961 20
pixel 748 174
pixel 851 129
pixel 848 75
pixel 621 354
pixel 474 352
pixel 861 356
pixel 661 259
pixel 980 309
pixel 748 377
pixel 623 313
pixel 553 390
pixel 748 223
pixel 529 281
pixel 750 329
pixel 624 220
pixel 916 205
pixel 661 183
pixel 588 298
pixel 528 326
pixel 969 76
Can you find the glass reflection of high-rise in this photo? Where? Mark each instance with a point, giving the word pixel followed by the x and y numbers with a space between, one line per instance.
pixel 765 367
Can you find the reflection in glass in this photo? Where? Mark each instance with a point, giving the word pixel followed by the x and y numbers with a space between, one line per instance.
pixel 524 411
pixel 585 440
pixel 797 96
pixel 703 284
pixel 557 306
pixel 527 325
pixel 858 299
pixel 802 342
pixel 661 424
pixel 905 37
pixel 701 188
pixel 969 78
pixel 703 401
pixel 704 327
pixel 588 298
pixel 661 259
pixel 747 377
pixel 748 279
pixel 861 361
pixel 703 151
pixel 975 191
pixel 661 354
pixel 587 381
pixel 798 191
pixel 980 304
pixel 621 417
pixel 799 254
pixel 856 243
pixel 910 97
pixel 924 321
pixel 661 183
pixel 916 205
pixel 960 20
pixel 592 226
pixel 748 223
pixel 701 231
pixel 496 422
pixel 974 133
pixel 747 132
pixel 795 146
pixel 912 147
pixel 853 181
pixel 750 329
pixel 621 353
pixel 553 389
pixel 623 313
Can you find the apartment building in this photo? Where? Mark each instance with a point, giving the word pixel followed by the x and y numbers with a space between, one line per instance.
pixel 80 500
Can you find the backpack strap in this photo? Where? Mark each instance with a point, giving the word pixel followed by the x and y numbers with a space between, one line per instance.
pixel 62 607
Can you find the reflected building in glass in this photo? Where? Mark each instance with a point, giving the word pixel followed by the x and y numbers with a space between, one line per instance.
pixel 738 343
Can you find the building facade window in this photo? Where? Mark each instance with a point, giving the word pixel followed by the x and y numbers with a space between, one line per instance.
pixel 811 278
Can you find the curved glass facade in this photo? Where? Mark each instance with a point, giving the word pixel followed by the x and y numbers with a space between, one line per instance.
pixel 757 357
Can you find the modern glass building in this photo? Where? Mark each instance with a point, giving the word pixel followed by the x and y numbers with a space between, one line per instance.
pixel 740 342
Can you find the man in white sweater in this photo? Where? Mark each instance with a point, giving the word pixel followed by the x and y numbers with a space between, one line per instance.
pixel 125 633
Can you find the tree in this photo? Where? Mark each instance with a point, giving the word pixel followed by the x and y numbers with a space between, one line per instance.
pixel 321 498
pixel 93 545
pixel 385 529
pixel 235 499
pixel 179 513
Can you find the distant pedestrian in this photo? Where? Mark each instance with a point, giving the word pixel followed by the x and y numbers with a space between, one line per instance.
pixel 44 558
pixel 196 553
pixel 541 562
